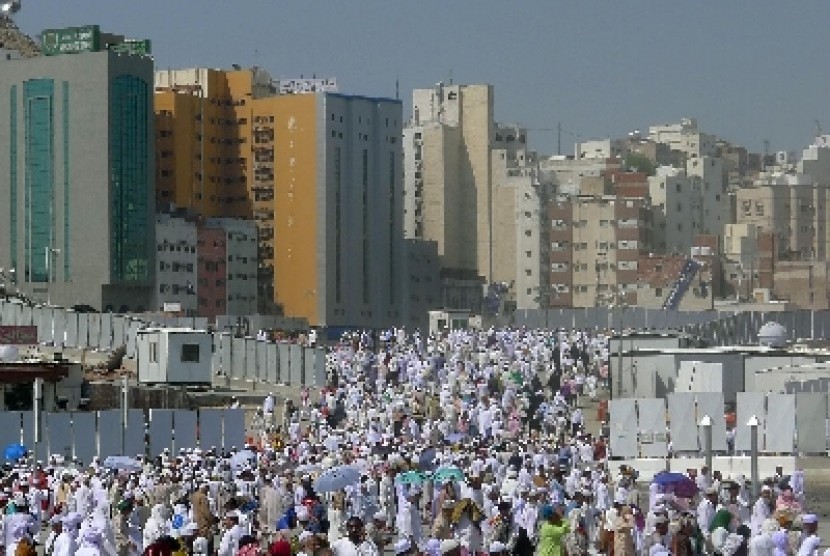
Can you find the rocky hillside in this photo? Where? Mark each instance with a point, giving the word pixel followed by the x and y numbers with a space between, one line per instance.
pixel 12 38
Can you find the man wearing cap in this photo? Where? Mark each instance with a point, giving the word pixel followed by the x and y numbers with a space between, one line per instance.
pixel 231 534
pixel 706 509
pixel 18 525
pixel 376 532
pixel 57 528
pixel 204 518
pixel 810 541
pixel 761 510
pixel 124 545
pixel 351 544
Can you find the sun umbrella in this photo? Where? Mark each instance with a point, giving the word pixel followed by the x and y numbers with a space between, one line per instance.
pixel 242 458
pixel 337 478
pixel 14 452
pixel 307 468
pixel 122 463
pixel 410 478
pixel 446 474
pixel 456 437
pixel 678 483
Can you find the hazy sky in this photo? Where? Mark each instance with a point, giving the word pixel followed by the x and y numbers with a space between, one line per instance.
pixel 749 70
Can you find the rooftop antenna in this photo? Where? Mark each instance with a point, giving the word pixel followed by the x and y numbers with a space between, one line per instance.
pixel 450 76
pixel 397 89
pixel 818 127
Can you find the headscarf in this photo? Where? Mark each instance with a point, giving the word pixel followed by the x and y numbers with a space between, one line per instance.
pixel 722 519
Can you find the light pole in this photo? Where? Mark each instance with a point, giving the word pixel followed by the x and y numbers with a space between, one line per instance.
pixel 706 425
pixel 753 453
pixel 36 406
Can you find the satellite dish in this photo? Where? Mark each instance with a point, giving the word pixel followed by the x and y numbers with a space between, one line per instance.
pixel 9 7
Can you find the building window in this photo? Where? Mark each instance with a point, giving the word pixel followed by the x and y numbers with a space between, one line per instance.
pixel 190 353
pixel 129 178
pixel 154 352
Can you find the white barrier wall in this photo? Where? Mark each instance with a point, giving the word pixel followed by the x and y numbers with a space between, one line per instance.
pixel 242 359
pixel 638 426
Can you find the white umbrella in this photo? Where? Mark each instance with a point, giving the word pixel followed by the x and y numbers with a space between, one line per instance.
pixel 337 478
pixel 240 459
pixel 307 468
pixel 122 463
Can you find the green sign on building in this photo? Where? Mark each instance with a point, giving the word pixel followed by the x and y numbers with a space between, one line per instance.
pixel 138 47
pixel 71 40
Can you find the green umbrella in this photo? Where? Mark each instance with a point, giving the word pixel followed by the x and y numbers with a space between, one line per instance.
pixel 445 474
pixel 410 478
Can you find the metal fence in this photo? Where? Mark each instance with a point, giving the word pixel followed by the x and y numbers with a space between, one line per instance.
pixel 719 328
pixel 251 360
pixel 789 424
pixel 84 435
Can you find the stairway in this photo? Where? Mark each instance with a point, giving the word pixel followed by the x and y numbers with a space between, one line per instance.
pixel 681 286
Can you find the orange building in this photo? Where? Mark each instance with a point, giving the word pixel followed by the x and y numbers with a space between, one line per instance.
pixel 214 157
pixel 321 174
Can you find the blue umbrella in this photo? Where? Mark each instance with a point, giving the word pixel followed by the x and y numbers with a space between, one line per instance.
pixel 14 452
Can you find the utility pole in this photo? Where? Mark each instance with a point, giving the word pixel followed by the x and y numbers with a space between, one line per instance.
pixel 36 395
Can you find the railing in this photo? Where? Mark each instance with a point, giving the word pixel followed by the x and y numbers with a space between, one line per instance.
pixel 687 274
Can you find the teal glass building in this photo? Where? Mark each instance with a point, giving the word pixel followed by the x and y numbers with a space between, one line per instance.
pixel 77 179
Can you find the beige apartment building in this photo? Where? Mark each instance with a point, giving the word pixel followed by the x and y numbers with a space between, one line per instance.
pixel 793 208
pixel 595 245
pixel 450 138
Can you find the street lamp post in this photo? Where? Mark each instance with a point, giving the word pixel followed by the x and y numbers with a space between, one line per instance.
pixel 706 425
pixel 753 454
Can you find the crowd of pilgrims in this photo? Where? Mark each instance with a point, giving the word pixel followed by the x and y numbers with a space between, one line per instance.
pixel 462 443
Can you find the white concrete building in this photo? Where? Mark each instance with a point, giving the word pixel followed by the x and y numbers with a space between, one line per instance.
pixel 600 148
pixel 176 272
pixel 711 176
pixel 684 137
pixel 519 206
pixel 567 174
pixel 677 209
pixel 815 160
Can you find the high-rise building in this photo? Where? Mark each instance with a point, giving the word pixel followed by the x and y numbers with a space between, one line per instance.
pixel 320 174
pixel 338 230
pixel 449 174
pixel 215 153
pixel 76 138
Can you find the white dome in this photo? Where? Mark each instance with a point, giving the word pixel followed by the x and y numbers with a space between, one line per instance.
pixel 773 335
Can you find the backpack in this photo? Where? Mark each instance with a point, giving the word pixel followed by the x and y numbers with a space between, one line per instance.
pixel 25 547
